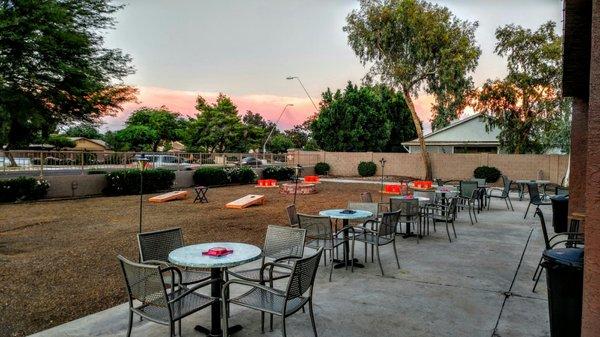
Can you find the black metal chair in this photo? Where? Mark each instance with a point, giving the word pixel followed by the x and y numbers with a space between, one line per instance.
pixel 281 244
pixel 570 238
pixel 283 303
pixel 504 193
pixel 154 248
pixel 443 212
pixel 468 196
pixel 158 303
pixel 410 214
pixel 535 198
pixel 379 233
pixel 292 215
pixel 320 233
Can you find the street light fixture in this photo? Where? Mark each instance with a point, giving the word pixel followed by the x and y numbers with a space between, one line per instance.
pixel 310 98
pixel 273 128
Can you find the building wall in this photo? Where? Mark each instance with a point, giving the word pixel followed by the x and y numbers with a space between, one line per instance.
pixel 444 166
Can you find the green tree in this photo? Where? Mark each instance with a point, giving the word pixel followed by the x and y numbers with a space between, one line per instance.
pixel 54 68
pixel 85 130
pixel 256 129
pixel 216 128
pixel 280 144
pixel 526 105
pixel 353 120
pixel 298 135
pixel 413 45
pixel 403 128
pixel 136 137
pixel 167 125
pixel 61 141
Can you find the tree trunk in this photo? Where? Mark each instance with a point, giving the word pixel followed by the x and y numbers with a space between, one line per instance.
pixel 417 122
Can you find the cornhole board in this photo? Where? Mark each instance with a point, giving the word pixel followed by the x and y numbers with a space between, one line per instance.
pixel 247 201
pixel 175 195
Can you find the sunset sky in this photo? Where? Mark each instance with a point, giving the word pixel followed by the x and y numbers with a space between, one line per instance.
pixel 247 48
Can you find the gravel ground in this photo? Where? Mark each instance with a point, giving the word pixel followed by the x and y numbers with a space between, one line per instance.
pixel 58 258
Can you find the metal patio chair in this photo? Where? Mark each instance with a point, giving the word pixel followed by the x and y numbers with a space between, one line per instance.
pixel 283 303
pixel 379 233
pixel 410 213
pixel 535 198
pixel 292 215
pixel 158 303
pixel 468 195
pixel 154 248
pixel 320 233
pixel 443 212
pixel 504 193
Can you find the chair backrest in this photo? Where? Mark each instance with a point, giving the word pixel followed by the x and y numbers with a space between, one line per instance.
pixel 408 207
pixel 534 192
pixel 158 244
pixel 540 215
pixel 387 226
pixel 506 186
pixel 372 207
pixel 292 215
pixel 303 274
pixel 144 282
pixel 366 197
pixel 480 181
pixel 468 188
pixel 439 181
pixel 317 227
pixel 284 241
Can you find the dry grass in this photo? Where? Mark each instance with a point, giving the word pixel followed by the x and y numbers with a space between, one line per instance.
pixel 59 261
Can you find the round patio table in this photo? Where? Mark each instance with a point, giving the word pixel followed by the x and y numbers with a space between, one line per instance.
pixel 522 182
pixel 191 256
pixel 346 217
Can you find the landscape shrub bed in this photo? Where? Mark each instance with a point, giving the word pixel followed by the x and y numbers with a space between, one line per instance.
pixel 93 172
pixel 211 176
pixel 322 168
pixel 23 188
pixel 280 173
pixel 126 182
pixel 241 175
pixel 367 168
pixel 489 173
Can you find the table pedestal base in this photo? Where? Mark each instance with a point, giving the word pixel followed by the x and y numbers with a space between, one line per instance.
pixel 342 264
pixel 219 333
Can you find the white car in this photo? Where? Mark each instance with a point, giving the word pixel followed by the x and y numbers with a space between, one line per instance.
pixel 166 161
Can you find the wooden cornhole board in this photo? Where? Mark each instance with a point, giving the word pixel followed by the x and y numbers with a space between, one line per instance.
pixel 175 195
pixel 247 201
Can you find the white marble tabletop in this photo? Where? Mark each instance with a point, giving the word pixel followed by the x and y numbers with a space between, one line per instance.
pixel 337 214
pixel 191 256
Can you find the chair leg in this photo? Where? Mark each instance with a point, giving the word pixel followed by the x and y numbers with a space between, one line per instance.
pixel 372 254
pixel 331 269
pixel 312 317
pixel 489 202
pixel 379 259
pixel 448 231
pixel 537 268
pixel 526 211
pixel 130 323
pixel 270 322
pixel 454 229
pixel 262 321
pixel 352 256
pixel 224 318
pixel 283 326
pixel 469 210
pixel 537 279
pixel 172 328
pixel 475 213
pixel 510 202
pixel 396 253
pixel 366 252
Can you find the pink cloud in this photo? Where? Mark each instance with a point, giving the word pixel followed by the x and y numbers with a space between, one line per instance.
pixel 269 106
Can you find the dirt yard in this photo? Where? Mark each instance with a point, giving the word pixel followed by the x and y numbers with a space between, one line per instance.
pixel 58 258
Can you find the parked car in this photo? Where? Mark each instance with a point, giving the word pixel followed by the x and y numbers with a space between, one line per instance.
pixel 166 161
pixel 250 161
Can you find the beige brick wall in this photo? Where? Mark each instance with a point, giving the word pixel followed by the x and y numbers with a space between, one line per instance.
pixel 444 166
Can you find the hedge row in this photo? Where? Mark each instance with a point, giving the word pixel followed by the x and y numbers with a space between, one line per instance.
pixel 22 188
pixel 218 176
pixel 281 173
pixel 126 182
pixel 367 168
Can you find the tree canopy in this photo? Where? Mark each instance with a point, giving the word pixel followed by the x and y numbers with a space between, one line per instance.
pixel 85 130
pixel 527 105
pixel 54 68
pixel 166 124
pixel 413 45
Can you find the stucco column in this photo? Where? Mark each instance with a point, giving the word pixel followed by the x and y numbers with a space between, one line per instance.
pixel 591 282
pixel 579 130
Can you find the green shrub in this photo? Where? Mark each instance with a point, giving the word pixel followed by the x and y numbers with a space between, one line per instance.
pixel 125 182
pixel 489 173
pixel 367 168
pixel 211 176
pixel 241 175
pixel 22 188
pixel 322 168
pixel 92 172
pixel 281 173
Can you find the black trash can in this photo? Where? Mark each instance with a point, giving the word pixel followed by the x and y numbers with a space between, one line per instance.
pixel 564 278
pixel 560 213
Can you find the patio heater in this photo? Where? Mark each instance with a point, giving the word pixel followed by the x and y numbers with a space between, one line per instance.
pixel 382 162
pixel 141 162
pixel 296 178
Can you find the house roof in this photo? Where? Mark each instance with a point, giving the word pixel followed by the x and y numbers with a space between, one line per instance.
pixel 96 141
pixel 467 131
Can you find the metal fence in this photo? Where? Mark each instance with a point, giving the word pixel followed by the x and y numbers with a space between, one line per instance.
pixel 82 162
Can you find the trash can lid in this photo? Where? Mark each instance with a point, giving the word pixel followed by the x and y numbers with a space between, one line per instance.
pixel 559 198
pixel 572 257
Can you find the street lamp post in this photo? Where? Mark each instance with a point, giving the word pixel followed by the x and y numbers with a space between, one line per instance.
pixel 141 165
pixel 307 94
pixel 382 162
pixel 273 128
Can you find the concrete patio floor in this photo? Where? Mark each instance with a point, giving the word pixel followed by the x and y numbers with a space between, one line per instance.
pixel 478 285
